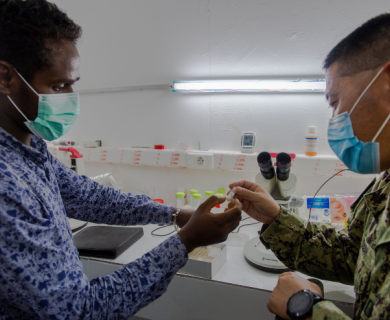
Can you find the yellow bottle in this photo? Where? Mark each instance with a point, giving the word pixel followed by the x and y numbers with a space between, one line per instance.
pixel 311 142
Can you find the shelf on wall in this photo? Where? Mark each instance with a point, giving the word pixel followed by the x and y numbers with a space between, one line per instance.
pixel 320 165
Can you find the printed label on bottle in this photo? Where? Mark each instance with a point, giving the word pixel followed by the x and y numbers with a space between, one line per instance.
pixel 311 144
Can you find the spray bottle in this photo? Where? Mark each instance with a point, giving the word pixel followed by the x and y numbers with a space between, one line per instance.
pixel 76 159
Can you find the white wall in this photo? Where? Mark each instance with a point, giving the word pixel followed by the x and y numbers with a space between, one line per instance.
pixel 145 42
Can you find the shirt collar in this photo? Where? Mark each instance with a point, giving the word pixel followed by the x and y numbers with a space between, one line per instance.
pixel 36 153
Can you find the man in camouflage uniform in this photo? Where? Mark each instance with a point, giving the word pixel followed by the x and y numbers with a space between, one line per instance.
pixel 357 70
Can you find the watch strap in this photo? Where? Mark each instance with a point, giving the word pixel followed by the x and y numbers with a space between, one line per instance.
pixel 174 219
pixel 316 298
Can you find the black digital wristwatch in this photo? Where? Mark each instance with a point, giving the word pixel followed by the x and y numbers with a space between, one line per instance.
pixel 300 305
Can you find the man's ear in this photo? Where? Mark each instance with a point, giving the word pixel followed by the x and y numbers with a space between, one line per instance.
pixel 386 71
pixel 6 74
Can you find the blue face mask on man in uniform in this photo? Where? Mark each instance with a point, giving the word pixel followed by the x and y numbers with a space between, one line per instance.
pixel 358 156
pixel 56 114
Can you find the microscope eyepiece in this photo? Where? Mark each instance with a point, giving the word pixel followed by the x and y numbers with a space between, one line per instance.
pixel 283 165
pixel 266 166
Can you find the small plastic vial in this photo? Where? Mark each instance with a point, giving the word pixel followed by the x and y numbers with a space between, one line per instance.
pixel 311 142
pixel 192 192
pixel 208 194
pixel 196 199
pixel 231 194
pixel 222 191
pixel 180 199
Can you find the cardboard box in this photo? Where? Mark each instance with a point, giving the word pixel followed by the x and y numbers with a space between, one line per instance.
pixel 205 262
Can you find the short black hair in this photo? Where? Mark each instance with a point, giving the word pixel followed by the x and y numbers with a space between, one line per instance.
pixel 366 48
pixel 26 29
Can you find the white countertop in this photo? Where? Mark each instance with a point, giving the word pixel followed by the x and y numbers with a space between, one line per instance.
pixel 236 270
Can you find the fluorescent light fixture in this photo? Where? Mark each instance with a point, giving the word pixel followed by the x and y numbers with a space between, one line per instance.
pixel 312 85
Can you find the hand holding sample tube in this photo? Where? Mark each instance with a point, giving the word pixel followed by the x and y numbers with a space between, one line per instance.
pixel 205 228
pixel 231 194
pixel 256 201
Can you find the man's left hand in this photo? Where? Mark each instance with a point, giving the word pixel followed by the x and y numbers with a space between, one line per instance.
pixel 183 217
pixel 288 284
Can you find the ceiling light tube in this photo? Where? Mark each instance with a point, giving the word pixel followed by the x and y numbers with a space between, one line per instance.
pixel 299 85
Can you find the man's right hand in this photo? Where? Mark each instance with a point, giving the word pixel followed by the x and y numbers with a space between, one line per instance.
pixel 256 201
pixel 205 228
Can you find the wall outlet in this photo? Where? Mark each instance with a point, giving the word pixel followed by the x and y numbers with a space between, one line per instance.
pixel 200 161
pixel 197 160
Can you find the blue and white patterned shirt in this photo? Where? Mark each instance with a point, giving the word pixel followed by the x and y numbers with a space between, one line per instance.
pixel 41 276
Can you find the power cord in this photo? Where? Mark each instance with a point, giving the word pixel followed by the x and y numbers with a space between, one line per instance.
pixel 168 234
pixel 312 202
pixel 245 225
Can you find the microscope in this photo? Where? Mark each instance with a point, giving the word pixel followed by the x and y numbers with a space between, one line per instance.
pixel 281 185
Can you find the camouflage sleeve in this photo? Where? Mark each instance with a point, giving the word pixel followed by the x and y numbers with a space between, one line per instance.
pixel 315 249
pixel 377 296
pixel 326 310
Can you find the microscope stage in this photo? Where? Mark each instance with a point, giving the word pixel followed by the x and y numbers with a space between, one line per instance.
pixel 260 257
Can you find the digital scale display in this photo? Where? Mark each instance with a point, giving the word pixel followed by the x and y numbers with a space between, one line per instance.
pixel 248 140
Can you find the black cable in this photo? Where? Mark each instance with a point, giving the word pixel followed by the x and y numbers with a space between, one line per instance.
pixel 312 202
pixel 245 225
pixel 162 235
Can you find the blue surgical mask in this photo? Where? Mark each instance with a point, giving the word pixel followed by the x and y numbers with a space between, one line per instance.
pixel 358 156
pixel 56 114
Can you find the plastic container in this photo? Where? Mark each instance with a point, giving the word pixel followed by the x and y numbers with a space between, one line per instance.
pixel 196 199
pixel 208 194
pixel 192 192
pixel 311 142
pixel 180 199
pixel 222 191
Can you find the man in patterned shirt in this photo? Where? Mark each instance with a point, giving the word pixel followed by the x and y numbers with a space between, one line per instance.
pixel 358 84
pixel 41 276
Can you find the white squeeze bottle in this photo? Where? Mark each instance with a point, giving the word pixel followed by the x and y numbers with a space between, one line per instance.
pixel 311 142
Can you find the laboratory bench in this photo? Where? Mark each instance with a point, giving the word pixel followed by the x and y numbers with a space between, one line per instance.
pixel 237 291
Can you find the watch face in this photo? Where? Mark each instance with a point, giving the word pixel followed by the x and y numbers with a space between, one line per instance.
pixel 300 303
